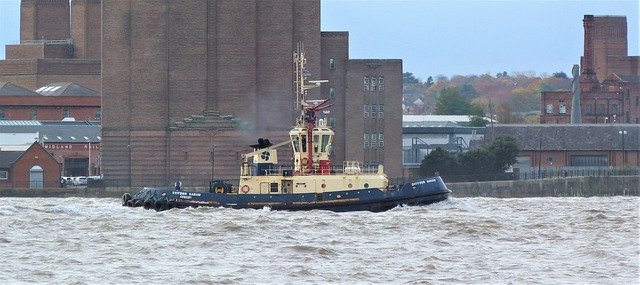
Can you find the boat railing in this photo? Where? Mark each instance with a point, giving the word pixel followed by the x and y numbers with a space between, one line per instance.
pixel 348 168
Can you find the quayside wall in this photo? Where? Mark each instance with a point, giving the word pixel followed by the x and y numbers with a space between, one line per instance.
pixel 586 186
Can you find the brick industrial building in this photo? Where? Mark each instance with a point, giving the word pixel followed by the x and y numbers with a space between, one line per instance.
pixel 188 85
pixel 59 42
pixel 55 101
pixel 609 78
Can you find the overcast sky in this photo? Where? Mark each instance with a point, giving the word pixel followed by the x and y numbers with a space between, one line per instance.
pixel 451 37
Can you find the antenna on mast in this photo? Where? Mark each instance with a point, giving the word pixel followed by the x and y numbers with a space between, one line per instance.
pixel 301 73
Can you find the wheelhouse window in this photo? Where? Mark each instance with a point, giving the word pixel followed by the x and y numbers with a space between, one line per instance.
pixel 296 143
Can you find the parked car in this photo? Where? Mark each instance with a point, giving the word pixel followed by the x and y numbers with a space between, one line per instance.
pixel 80 180
pixel 65 180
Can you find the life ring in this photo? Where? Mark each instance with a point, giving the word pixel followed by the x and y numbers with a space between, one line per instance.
pixel 245 189
pixel 304 161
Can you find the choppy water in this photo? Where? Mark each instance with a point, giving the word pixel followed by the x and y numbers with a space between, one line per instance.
pixel 463 240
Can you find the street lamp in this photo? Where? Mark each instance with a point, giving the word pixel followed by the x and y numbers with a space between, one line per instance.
pixel 624 155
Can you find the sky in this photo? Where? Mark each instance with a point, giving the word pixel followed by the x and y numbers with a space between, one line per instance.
pixel 459 37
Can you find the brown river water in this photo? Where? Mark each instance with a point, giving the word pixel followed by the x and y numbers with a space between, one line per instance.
pixel 555 240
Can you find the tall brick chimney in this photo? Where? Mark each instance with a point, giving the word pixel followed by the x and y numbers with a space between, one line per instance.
pixel 86 26
pixel 604 37
pixel 44 20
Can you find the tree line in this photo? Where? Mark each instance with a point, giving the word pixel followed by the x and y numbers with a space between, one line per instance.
pixel 508 98
pixel 493 159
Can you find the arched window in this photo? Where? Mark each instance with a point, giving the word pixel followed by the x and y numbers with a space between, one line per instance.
pixel 588 109
pixel 549 108
pixel 36 177
pixel 614 109
pixel 600 109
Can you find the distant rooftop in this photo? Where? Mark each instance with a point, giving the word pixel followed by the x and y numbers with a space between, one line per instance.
pixel 66 89
pixel 10 89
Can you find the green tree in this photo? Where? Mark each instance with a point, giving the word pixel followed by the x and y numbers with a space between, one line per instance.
pixel 505 150
pixel 477 161
pixel 451 102
pixel 560 74
pixel 408 78
pixel 478 121
pixel 439 160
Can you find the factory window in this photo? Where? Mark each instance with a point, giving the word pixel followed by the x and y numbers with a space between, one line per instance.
pixel 380 111
pixel 332 93
pixel 381 87
pixel 374 83
pixel 374 110
pixel 98 114
pixel 366 80
pixel 588 109
pixel 549 108
pixel 366 141
pixel 366 87
pixel 562 109
pixel 381 80
pixel 614 109
pixel 65 113
pixel 589 160
pixel 374 139
pixel 381 140
pixel 4 175
pixel 332 63
pixel 33 114
pixel 600 109
pixel 366 111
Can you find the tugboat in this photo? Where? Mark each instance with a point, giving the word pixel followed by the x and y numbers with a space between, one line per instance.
pixel 311 183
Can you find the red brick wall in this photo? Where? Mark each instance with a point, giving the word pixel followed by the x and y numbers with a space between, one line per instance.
pixel 86 28
pixel 35 73
pixel 44 20
pixel 178 58
pixel 50 107
pixel 390 124
pixel 335 45
pixel 35 155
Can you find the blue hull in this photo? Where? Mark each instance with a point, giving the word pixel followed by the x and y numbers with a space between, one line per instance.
pixel 422 192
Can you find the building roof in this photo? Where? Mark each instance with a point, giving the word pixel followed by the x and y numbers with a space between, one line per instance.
pixel 627 78
pixel 10 89
pixel 66 89
pixel 428 124
pixel 8 157
pixel 71 133
pixel 557 137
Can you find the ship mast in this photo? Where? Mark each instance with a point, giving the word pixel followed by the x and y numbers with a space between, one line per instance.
pixel 307 111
